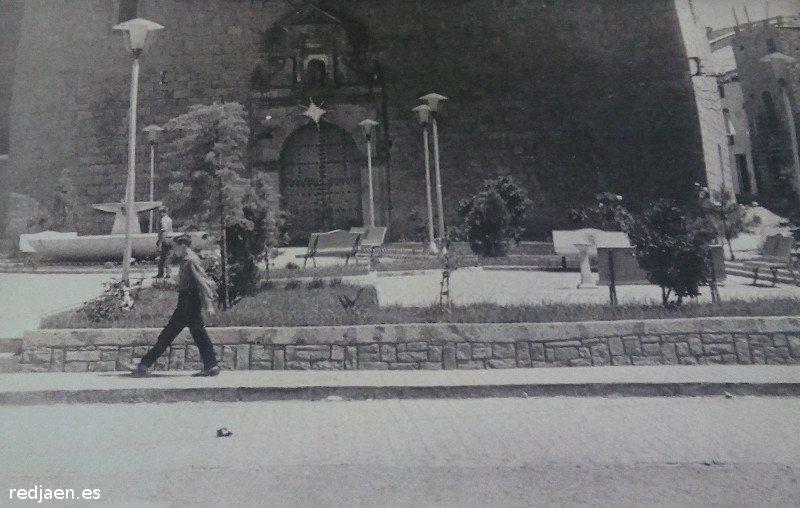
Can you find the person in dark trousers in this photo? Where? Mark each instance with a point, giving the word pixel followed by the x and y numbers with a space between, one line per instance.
pixel 164 242
pixel 195 292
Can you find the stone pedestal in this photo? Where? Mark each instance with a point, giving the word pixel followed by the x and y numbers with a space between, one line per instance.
pixel 587 279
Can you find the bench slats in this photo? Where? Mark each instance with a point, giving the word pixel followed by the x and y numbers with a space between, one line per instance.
pixel 776 254
pixel 333 243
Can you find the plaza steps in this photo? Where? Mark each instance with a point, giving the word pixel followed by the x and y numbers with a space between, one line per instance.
pixel 9 362
pixel 740 268
pixel 9 355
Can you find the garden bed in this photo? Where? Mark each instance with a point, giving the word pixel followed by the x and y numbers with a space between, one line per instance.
pixel 318 302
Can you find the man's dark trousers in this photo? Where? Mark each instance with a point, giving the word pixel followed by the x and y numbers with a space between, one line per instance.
pixel 188 313
pixel 163 259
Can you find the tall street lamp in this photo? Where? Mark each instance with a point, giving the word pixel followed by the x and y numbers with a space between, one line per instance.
pixel 153 132
pixel 368 126
pixel 778 61
pixel 136 32
pixel 424 117
pixel 433 100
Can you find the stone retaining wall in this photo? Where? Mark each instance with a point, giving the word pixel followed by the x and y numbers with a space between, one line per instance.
pixel 769 340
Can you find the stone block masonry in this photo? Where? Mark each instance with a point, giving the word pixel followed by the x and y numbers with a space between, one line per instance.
pixel 574 94
pixel 423 346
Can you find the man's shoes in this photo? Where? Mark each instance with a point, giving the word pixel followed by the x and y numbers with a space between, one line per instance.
pixel 140 371
pixel 210 372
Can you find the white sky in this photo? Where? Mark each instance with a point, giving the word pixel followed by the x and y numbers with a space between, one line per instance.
pixel 718 13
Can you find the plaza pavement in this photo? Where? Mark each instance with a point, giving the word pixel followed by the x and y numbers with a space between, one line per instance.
pixel 27 297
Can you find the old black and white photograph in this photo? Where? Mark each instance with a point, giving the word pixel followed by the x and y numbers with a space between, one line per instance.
pixel 400 253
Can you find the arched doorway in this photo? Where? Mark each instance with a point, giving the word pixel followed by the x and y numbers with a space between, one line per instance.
pixel 320 180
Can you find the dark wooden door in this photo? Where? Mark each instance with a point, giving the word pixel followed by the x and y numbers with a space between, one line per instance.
pixel 321 180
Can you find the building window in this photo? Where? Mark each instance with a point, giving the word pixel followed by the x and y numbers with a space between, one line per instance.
pixel 316 73
pixel 774 165
pixel 744 176
pixel 128 9
pixel 730 131
pixel 771 46
pixel 3 141
pixel 772 114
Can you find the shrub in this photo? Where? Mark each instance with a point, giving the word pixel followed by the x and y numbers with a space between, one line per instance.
pixel 725 214
pixel 208 184
pixel 116 299
pixel 493 216
pixel 315 283
pixel 62 214
pixel 607 214
pixel 671 245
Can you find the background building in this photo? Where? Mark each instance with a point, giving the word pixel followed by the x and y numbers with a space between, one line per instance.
pixel 736 121
pixel 570 98
pixel 771 97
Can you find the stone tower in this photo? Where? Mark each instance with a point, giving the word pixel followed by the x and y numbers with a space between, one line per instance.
pixel 570 98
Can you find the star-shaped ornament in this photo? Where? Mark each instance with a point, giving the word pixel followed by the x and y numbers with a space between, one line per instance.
pixel 314 112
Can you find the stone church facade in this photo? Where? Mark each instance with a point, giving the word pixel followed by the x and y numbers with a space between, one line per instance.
pixel 569 97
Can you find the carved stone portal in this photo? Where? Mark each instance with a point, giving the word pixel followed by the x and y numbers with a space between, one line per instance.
pixel 313 57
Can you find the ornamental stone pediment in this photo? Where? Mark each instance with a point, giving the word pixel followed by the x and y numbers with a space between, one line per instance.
pixel 311 51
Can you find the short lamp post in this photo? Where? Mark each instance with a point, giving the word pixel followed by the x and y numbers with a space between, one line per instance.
pixel 153 132
pixel 369 126
pixel 423 113
pixel 136 32
pixel 778 61
pixel 433 100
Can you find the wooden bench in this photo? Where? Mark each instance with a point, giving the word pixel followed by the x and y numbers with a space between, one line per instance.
pixel 776 254
pixel 371 237
pixel 333 243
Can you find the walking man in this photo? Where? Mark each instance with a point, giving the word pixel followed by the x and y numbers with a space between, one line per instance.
pixel 196 291
pixel 164 242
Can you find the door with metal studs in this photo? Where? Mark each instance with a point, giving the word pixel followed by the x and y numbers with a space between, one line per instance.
pixel 320 180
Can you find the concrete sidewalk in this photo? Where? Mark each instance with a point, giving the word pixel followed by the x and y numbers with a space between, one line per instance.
pixel 232 386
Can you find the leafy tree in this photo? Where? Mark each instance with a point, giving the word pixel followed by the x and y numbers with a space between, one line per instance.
pixel 671 245
pixel 607 214
pixel 725 214
pixel 493 215
pixel 248 247
pixel 209 188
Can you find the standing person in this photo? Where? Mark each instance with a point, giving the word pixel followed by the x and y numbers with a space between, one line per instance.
pixel 164 242
pixel 195 291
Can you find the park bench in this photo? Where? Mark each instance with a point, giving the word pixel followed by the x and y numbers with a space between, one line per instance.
pixel 371 238
pixel 333 243
pixel 776 254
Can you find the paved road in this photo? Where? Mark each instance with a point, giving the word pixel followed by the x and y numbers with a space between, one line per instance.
pixel 553 452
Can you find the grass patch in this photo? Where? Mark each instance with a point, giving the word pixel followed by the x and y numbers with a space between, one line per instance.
pixel 318 272
pixel 412 263
pixel 317 304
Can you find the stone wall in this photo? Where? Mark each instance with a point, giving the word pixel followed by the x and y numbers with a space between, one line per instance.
pixel 569 97
pixel 773 340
